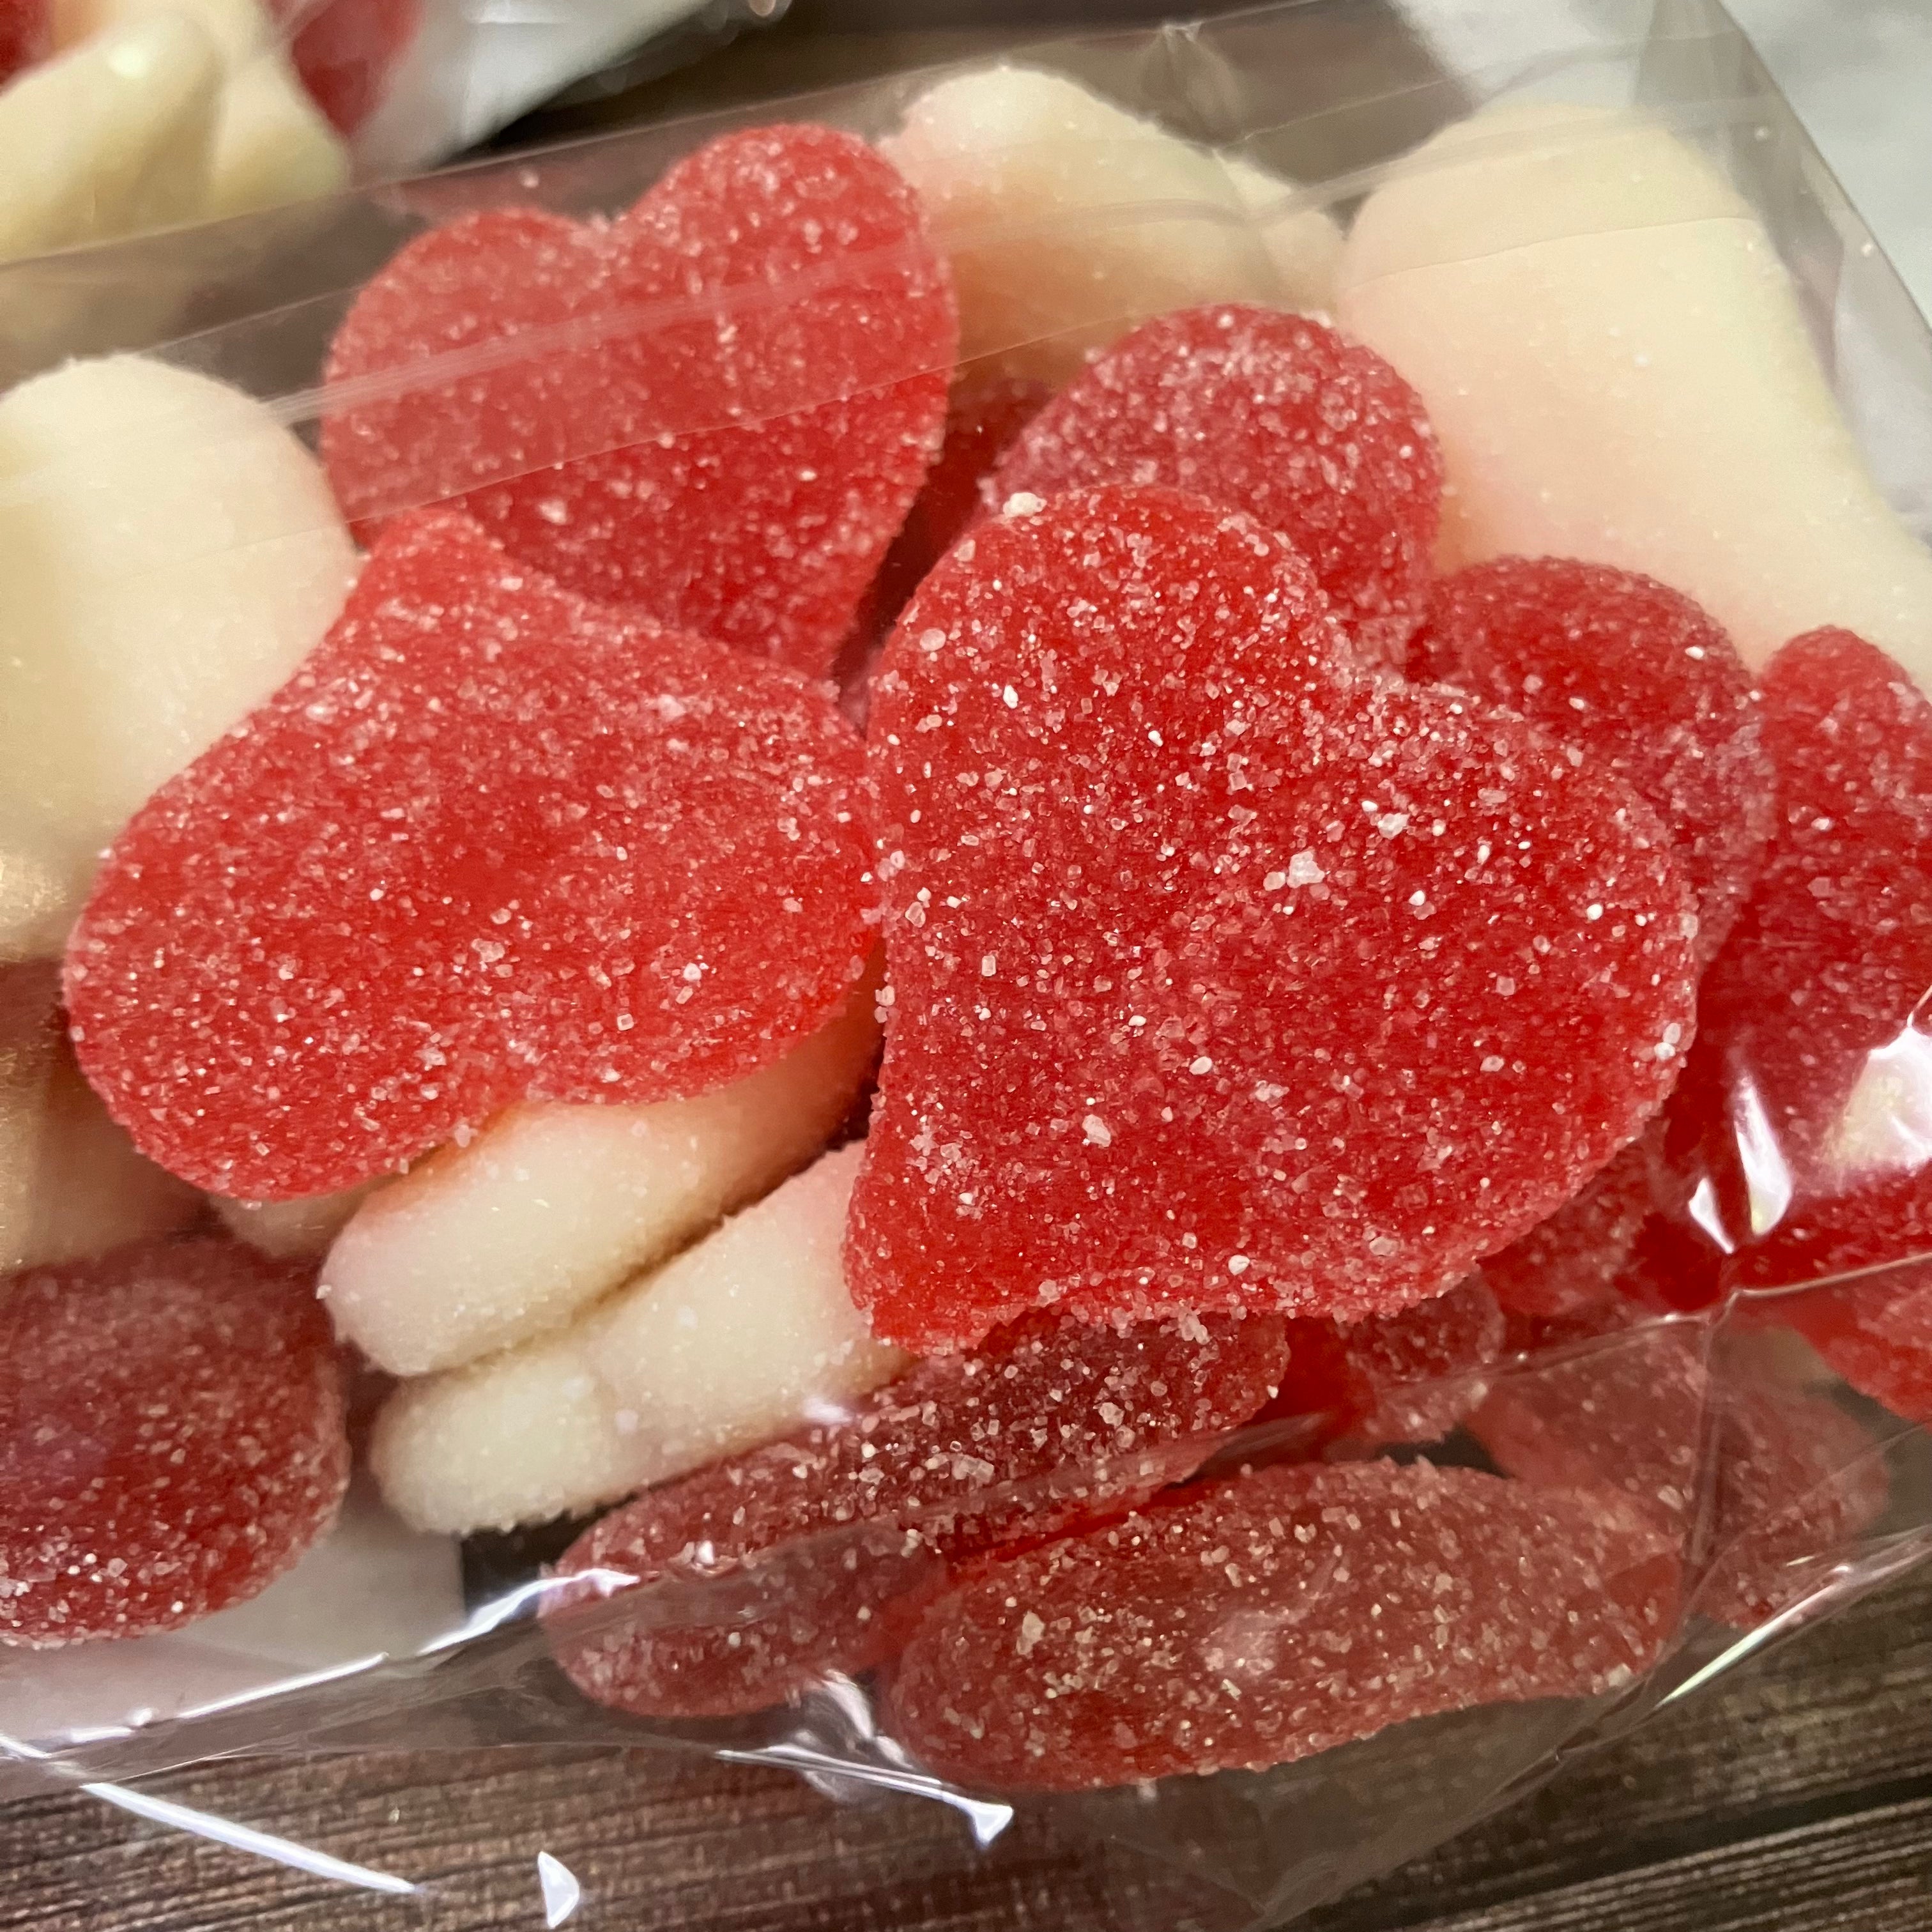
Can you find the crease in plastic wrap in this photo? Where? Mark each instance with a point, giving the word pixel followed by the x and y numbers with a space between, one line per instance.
pixel 1084 1586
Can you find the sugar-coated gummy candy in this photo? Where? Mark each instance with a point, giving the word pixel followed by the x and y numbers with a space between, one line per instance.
pixel 345 50
pixel 1789 1476
pixel 1314 437
pixel 140 623
pixel 1630 672
pixel 551 1207
pixel 1571 1261
pixel 171 1438
pixel 733 1343
pixel 1050 1425
pixel 25 35
pixel 1405 1377
pixel 1877 1332
pixel 1808 1081
pixel 1068 219
pixel 71 1184
pixel 1223 974
pixel 491 843
pixel 717 408
pixel 1263 1620
pixel 1620 370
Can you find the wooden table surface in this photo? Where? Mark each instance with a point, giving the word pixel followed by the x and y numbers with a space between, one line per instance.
pixel 1793 1796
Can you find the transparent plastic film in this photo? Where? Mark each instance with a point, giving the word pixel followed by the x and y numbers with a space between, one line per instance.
pixel 540 540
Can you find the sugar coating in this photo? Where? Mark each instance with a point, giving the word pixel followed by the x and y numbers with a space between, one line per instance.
pixel 729 397
pixel 1571 1261
pixel 171 1439
pixel 1050 1425
pixel 1810 1085
pixel 1312 435
pixel 1770 1482
pixel 1276 1616
pixel 1405 1377
pixel 1629 671
pixel 1877 1333
pixel 1221 974
pixel 491 843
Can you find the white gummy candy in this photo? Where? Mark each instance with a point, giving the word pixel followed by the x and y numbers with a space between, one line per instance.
pixel 293 1231
pixel 170 552
pixel 110 138
pixel 1069 220
pixel 1618 369
pixel 720 1350
pixel 482 1246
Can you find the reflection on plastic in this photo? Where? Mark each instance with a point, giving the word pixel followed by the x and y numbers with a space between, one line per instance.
pixel 562 1893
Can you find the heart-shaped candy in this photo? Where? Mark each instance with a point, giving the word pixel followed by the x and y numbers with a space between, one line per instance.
pixel 491 843
pixel 718 407
pixel 1222 971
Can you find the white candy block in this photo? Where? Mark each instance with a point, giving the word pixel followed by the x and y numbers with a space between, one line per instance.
pixel 293 1231
pixel 271 145
pixel 170 552
pixel 109 139
pixel 1618 369
pixel 1069 220
pixel 1303 244
pixel 740 1336
pixel 552 1207
pixel 71 1184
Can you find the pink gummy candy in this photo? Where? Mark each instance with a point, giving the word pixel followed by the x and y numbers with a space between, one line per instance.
pixel 1052 1425
pixel 716 408
pixel 1221 974
pixel 25 35
pixel 1631 672
pixel 1812 1043
pixel 1264 1620
pixel 171 1438
pixel 491 843
pixel 1791 1477
pixel 1571 1261
pixel 1405 1377
pixel 1273 414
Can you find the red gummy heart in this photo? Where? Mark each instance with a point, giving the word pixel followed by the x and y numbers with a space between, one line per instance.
pixel 1313 436
pixel 491 843
pixel 1261 1621
pixel 1807 1095
pixel 171 1438
pixel 1052 1426
pixel 1222 973
pixel 345 50
pixel 717 408
pixel 1630 671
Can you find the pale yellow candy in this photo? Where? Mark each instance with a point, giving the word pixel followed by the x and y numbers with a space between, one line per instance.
pixel 110 138
pixel 552 1207
pixel 1618 369
pixel 724 1348
pixel 170 553
pixel 293 1231
pixel 271 144
pixel 71 1184
pixel 1068 220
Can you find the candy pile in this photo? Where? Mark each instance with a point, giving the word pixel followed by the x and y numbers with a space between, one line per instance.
pixel 1340 910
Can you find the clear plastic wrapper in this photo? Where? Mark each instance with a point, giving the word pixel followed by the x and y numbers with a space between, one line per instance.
pixel 1457 1545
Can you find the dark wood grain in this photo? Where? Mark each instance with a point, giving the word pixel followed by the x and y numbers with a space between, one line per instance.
pixel 1795 1795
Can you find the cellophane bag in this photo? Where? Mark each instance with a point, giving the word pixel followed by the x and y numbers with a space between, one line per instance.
pixel 1704 1386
